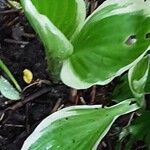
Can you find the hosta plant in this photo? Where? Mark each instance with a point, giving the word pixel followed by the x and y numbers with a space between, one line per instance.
pixel 93 50
pixel 8 90
pixel 83 52
pixel 138 130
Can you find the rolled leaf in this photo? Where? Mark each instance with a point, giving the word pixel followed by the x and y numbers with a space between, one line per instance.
pixel 123 91
pixel 57 45
pixel 66 15
pixel 76 127
pixel 137 77
pixel 147 88
pixel 113 38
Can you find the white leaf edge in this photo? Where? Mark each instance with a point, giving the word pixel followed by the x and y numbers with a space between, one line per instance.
pixel 130 73
pixel 70 78
pixel 71 111
pixel 124 6
pixel 16 94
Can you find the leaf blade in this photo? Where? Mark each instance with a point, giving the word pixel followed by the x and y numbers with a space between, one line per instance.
pixel 7 90
pixel 138 130
pixel 66 15
pixel 79 122
pixel 100 51
pixel 58 47
pixel 137 77
pixel 9 74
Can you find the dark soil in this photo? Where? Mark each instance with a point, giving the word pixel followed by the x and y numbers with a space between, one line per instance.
pixel 21 49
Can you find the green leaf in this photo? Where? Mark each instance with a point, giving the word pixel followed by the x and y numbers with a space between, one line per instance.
pixel 66 15
pixel 7 90
pixel 9 74
pixel 137 77
pixel 138 130
pixel 147 88
pixel 57 45
pixel 122 90
pixel 76 127
pixel 112 40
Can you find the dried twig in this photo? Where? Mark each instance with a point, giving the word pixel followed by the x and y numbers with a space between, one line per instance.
pixel 23 102
pixel 57 105
pixel 29 98
pixel 15 42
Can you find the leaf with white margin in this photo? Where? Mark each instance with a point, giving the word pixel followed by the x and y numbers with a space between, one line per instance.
pixel 7 90
pixel 76 127
pixel 111 41
pixel 123 91
pixel 147 88
pixel 4 68
pixel 57 46
pixel 138 130
pixel 66 15
pixel 137 77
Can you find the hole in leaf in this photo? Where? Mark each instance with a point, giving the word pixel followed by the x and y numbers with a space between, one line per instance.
pixel 131 40
pixel 147 36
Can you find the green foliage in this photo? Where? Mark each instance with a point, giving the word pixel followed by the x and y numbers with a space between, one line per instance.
pixel 67 128
pixel 138 84
pixel 101 49
pixel 6 89
pixel 9 74
pixel 138 130
pixel 48 18
pixel 93 49
pixel 122 90
pixel 138 76
pixel 85 52
pixel 147 88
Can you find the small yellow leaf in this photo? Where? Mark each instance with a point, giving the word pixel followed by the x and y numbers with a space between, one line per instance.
pixel 27 76
pixel 15 4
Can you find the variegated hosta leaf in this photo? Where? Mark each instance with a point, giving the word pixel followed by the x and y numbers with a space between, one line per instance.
pixel 137 77
pixel 147 88
pixel 66 15
pixel 138 130
pixel 4 68
pixel 57 45
pixel 123 91
pixel 113 38
pixel 76 127
pixel 7 90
